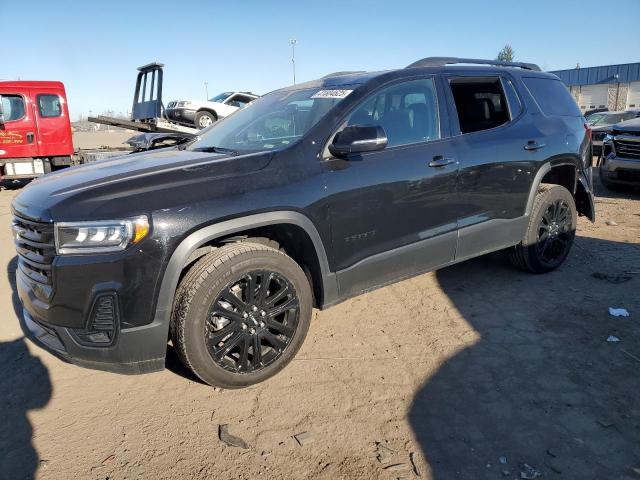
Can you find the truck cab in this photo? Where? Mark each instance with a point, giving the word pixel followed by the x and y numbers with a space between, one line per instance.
pixel 35 129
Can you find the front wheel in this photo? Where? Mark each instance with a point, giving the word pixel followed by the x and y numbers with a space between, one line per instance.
pixel 203 119
pixel 240 314
pixel 550 233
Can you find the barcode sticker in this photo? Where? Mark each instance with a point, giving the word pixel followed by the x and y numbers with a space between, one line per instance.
pixel 331 94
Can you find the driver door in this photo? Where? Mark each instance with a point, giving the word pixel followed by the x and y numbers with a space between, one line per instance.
pixel 393 212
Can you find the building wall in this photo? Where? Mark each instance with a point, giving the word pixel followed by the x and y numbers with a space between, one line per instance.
pixel 617 96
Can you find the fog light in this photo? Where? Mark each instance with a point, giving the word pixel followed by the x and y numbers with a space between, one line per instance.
pixel 103 322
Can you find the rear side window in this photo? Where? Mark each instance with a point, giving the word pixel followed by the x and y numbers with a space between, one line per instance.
pixel 552 96
pixel 480 102
pixel 12 107
pixel 49 105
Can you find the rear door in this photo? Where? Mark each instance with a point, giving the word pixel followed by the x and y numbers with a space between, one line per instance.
pixel 52 121
pixel 499 150
pixel 18 132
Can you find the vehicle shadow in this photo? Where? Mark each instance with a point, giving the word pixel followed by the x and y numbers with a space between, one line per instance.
pixel 542 386
pixel 24 385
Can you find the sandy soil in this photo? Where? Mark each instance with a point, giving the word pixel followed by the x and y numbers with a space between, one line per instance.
pixel 454 369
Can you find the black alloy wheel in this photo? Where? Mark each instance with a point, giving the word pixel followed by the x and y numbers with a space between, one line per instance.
pixel 555 232
pixel 252 321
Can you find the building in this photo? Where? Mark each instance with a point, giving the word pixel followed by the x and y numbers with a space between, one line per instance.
pixel 616 87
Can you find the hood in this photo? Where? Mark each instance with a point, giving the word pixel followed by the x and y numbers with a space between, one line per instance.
pixel 130 184
pixel 632 125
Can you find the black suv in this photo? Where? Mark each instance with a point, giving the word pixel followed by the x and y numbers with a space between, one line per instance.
pixel 313 194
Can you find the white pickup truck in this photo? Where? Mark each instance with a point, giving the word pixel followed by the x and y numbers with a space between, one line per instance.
pixel 203 113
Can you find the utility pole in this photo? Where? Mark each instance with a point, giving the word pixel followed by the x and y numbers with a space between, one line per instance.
pixel 292 42
pixel 206 90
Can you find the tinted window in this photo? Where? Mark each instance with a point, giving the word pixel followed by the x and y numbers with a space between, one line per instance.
pixel 407 111
pixel 552 96
pixel 480 102
pixel 49 105
pixel 12 107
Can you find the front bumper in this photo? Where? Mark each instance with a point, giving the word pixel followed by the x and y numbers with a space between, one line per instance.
pixel 625 171
pixel 63 304
pixel 181 115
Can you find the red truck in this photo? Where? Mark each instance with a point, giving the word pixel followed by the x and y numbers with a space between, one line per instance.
pixel 35 131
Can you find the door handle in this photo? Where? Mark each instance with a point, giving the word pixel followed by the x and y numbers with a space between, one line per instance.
pixel 533 145
pixel 29 137
pixel 441 161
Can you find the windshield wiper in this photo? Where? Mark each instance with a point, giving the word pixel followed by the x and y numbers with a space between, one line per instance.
pixel 215 150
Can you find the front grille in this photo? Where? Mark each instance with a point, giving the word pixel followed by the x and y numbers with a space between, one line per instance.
pixel 36 249
pixel 627 146
pixel 171 104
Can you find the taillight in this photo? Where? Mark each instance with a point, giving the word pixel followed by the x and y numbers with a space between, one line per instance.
pixel 587 129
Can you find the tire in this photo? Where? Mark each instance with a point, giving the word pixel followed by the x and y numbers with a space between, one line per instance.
pixel 550 233
pixel 207 323
pixel 204 118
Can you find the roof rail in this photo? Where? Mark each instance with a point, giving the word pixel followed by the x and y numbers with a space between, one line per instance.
pixel 346 72
pixel 442 61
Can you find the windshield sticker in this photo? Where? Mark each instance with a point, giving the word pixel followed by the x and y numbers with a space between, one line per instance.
pixel 332 94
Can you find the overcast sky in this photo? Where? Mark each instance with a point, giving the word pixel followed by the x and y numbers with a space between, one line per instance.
pixel 94 47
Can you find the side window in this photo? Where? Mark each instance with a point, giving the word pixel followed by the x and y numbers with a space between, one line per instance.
pixel 239 101
pixel 408 112
pixel 552 96
pixel 12 107
pixel 49 105
pixel 480 102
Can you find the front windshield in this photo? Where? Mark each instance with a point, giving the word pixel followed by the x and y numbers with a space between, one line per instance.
pixel 273 121
pixel 221 97
pixel 594 117
pixel 610 119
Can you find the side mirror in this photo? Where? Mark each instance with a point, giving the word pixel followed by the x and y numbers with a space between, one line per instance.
pixel 358 139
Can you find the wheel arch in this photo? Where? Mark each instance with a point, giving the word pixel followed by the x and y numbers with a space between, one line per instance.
pixel 566 173
pixel 208 109
pixel 327 284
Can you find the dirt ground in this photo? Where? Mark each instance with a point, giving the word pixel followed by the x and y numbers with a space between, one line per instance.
pixel 470 372
pixel 102 138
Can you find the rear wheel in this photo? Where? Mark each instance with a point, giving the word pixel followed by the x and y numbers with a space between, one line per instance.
pixel 203 119
pixel 240 314
pixel 550 233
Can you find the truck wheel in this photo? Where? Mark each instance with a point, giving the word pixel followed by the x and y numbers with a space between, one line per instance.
pixel 240 314
pixel 203 119
pixel 550 233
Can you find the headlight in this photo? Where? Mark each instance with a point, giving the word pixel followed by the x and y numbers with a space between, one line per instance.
pixel 183 104
pixel 99 236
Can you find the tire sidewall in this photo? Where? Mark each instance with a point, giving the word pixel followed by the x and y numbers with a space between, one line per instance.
pixel 551 195
pixel 201 361
pixel 204 113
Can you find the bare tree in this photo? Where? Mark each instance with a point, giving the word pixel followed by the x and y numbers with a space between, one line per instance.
pixel 506 54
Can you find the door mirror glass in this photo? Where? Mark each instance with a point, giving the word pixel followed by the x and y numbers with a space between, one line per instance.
pixel 358 139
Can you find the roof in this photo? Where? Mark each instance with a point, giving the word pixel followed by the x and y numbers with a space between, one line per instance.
pixel 31 84
pixel 623 73
pixel 345 79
